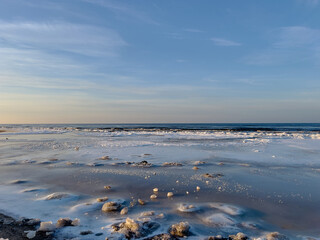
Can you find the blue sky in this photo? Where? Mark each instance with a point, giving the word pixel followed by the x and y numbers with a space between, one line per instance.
pixel 100 61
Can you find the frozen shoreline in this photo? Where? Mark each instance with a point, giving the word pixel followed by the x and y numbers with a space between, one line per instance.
pixel 264 175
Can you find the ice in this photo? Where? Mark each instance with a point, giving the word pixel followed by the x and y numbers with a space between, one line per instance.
pixel 227 208
pixel 220 220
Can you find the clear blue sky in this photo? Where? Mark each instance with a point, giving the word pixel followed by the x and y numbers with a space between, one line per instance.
pixel 106 61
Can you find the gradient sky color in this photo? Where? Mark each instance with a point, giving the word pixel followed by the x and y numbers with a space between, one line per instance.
pixel 100 61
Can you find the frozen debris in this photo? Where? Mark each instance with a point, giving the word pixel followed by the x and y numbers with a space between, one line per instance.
pixel 227 208
pixel 76 222
pixel 102 199
pixel 221 163
pixel 188 208
pixel 141 202
pixel 170 194
pixel 77 148
pixel 199 163
pixel 141 164
pixel 162 236
pixel 171 164
pixel 105 158
pixel 65 222
pixel 195 168
pixel 111 206
pixel 147 214
pixel 94 164
pixel 244 164
pixel 107 187
pixel 180 229
pixel 153 196
pixel 124 211
pixel 198 188
pixel 218 237
pixel 220 220
pixel 238 236
pixel 155 190
pixel 46 227
pixel 275 236
pixel 56 196
pixel 30 234
pixel 83 233
pixel 135 229
pixel 208 175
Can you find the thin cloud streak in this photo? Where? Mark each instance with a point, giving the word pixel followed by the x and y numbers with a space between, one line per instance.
pixel 224 42
pixel 61 36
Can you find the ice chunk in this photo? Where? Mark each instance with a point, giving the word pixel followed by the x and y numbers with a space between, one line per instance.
pixel 47 227
pixel 227 208
pixel 180 229
pixel 187 208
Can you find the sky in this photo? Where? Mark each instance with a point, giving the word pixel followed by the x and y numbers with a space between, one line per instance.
pixel 158 61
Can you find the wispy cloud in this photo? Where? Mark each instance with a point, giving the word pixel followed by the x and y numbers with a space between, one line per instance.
pixel 123 9
pixel 298 36
pixel 193 30
pixel 224 42
pixel 61 36
pixel 291 44
pixel 311 3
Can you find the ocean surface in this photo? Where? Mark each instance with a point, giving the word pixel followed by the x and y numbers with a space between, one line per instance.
pixel 175 126
pixel 225 178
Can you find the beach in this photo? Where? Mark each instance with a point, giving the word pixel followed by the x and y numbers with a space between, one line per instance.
pixel 170 181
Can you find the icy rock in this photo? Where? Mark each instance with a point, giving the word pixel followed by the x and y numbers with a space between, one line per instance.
pixel 105 158
pixel 124 211
pixel 83 233
pixel 111 206
pixel 141 202
pixel 276 236
pixel 199 162
pixel 198 188
pixel 218 237
pixel 195 168
pixel 65 222
pixel 155 190
pixel 239 236
pixel 153 196
pixel 180 229
pixel 187 208
pixel 208 175
pixel 46 227
pixel 107 187
pixel 170 194
pixel 171 164
pixel 31 234
pixel 56 196
pixel 103 199
pixel 147 214
pixel 142 164
pixel 135 229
